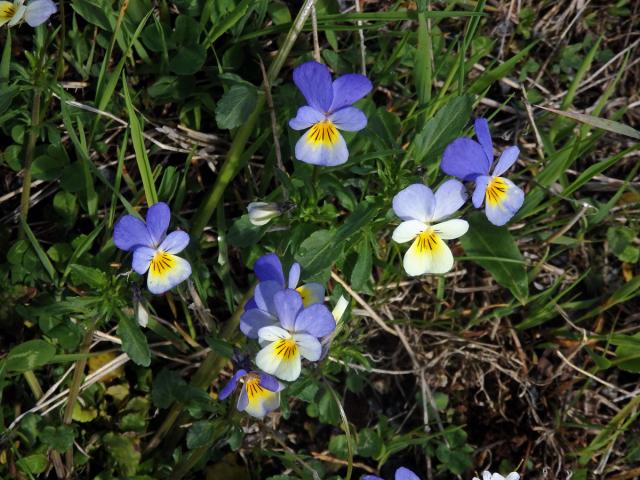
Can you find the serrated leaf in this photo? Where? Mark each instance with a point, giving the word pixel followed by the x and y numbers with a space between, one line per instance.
pixel 134 342
pixel 495 250
pixel 59 438
pixel 33 464
pixel 201 434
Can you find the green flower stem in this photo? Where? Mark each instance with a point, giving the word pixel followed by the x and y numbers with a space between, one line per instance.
pixel 233 162
pixel 74 389
pixel 28 161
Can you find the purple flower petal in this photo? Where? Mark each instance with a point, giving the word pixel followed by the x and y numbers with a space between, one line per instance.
pixel 350 119
pixel 323 154
pixel 158 217
pixel 405 474
pixel 508 158
pixel 416 202
pixel 484 137
pixel 371 477
pixel 253 320
pixel 305 118
pixel 243 400
pixel 175 242
pixel 142 259
pixel 264 295
pixel 348 89
pixel 314 81
pixel 294 275
pixel 269 382
pixel 311 293
pixel 231 384
pixel 38 12
pixel 315 320
pixel 131 232
pixel 465 159
pixel 448 199
pixel 502 211
pixel 287 303
pixel 268 267
pixel 250 305
pixel 480 190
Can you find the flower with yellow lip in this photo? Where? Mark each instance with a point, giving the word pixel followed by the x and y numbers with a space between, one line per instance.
pixel 422 211
pixel 329 109
pixel 296 336
pixel 153 250
pixel 260 392
pixel 467 159
pixel 260 310
pixel 35 13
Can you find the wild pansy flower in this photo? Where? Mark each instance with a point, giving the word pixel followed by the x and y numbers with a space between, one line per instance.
pixel 329 110
pixel 401 474
pixel 35 13
pixel 467 159
pixel 260 310
pixel 296 336
pixel 260 392
pixel 153 249
pixel 496 476
pixel 421 211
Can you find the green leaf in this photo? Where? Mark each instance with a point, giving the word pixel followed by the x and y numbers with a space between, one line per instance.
pixel 66 205
pixel 93 277
pixel 442 129
pixel 188 59
pixel 59 438
pixel 362 270
pixel 338 446
pixel 487 78
pixel 29 356
pixel 620 241
pixel 317 252
pixel 235 106
pixel 602 123
pixel 124 452
pixel 201 434
pixel 134 342
pixel 96 12
pixel 496 251
pixel 166 387
pixel 33 464
pixel 244 234
pixel 369 443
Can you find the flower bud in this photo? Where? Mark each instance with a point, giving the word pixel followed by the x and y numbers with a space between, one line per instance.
pixel 261 213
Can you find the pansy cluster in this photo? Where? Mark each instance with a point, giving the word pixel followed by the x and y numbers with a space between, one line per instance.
pixel 403 473
pixel 291 323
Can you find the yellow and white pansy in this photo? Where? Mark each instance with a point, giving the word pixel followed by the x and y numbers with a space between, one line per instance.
pixel 297 335
pixel 153 250
pixel 34 13
pixel 260 392
pixel 423 212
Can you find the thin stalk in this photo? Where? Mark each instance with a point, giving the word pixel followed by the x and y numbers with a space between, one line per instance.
pixel 74 389
pixel 232 163
pixel 28 161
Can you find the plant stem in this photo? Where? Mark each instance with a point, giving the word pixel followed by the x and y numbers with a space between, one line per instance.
pixel 232 163
pixel 74 390
pixel 28 161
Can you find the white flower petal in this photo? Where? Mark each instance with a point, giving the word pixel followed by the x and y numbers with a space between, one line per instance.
pixel 272 333
pixel 408 230
pixel 308 345
pixel 451 229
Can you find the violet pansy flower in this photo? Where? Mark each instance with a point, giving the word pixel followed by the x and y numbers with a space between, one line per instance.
pixel 297 335
pixel 401 474
pixel 496 476
pixel 154 250
pixel 260 392
pixel 422 212
pixel 328 110
pixel 260 310
pixel 467 159
pixel 34 13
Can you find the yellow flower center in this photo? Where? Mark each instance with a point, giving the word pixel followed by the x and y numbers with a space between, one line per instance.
pixel 7 12
pixel 323 133
pixel 162 262
pixel 496 191
pixel 427 241
pixel 253 387
pixel 286 348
